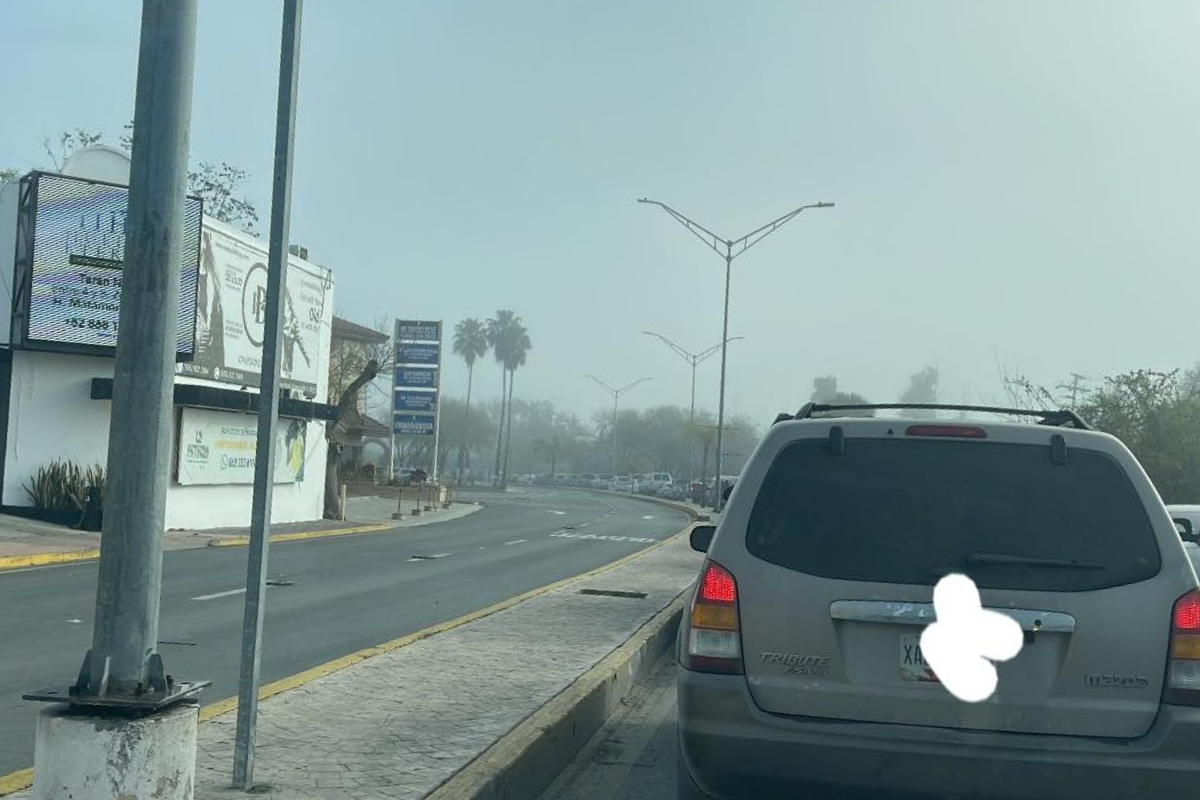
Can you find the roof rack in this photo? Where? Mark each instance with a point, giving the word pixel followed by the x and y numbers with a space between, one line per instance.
pixel 1058 418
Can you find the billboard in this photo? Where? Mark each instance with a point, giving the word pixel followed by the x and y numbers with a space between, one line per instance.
pixel 415 401
pixel 76 261
pixel 413 424
pixel 407 378
pixel 418 354
pixel 231 312
pixel 218 447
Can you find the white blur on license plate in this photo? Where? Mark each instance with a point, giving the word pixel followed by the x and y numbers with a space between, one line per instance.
pixel 912 663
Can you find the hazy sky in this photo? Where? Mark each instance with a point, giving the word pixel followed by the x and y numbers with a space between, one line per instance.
pixel 1015 181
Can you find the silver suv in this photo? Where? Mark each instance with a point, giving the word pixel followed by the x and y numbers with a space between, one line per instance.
pixel 799 652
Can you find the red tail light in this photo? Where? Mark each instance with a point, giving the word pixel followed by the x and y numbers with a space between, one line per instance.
pixel 1183 660
pixel 714 641
pixel 953 431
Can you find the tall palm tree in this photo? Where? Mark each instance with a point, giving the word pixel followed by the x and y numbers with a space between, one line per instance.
pixel 499 337
pixel 471 343
pixel 519 347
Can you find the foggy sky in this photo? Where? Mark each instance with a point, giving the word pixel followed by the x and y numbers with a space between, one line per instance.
pixel 1015 181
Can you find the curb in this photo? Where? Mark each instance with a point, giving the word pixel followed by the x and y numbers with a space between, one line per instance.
pixel 46 559
pixel 242 541
pixel 523 763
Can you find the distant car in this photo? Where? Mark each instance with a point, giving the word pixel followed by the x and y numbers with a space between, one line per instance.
pixel 801 669
pixel 657 481
pixel 623 483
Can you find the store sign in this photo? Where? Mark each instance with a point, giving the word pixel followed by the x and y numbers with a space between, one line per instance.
pixel 418 354
pixel 413 424
pixel 412 330
pixel 218 447
pixel 415 378
pixel 231 312
pixel 77 261
pixel 416 401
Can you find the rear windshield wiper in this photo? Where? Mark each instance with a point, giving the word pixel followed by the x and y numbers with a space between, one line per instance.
pixel 998 559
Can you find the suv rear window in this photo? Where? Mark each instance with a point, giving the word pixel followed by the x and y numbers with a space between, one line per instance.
pixel 908 511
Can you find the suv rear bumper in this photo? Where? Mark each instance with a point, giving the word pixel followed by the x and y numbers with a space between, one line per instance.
pixel 734 749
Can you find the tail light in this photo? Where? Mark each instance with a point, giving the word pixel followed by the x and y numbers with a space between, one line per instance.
pixel 1183 663
pixel 714 643
pixel 952 431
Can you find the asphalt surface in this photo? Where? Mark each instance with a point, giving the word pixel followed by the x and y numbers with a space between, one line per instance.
pixel 343 594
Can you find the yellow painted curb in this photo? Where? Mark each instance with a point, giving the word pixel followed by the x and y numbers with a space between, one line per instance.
pixel 16 781
pixel 45 559
pixel 242 541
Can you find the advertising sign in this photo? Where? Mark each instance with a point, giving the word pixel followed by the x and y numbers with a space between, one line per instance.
pixel 218 447
pixel 413 424
pixel 416 401
pixel 414 330
pixel 77 259
pixel 407 378
pixel 231 312
pixel 418 354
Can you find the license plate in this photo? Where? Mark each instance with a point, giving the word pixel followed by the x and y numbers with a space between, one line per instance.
pixel 913 666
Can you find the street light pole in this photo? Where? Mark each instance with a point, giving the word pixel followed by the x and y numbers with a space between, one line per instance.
pixel 268 399
pixel 616 395
pixel 716 243
pixel 694 359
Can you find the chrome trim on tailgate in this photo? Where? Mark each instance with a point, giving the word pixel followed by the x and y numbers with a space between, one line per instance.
pixel 893 613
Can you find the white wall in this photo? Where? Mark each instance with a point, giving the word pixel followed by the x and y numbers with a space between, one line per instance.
pixel 52 415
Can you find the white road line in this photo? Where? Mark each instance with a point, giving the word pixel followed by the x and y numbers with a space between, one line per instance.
pixel 559 513
pixel 649 516
pixel 584 524
pixel 514 541
pixel 226 593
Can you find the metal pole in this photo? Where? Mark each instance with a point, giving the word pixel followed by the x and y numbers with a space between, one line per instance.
pixel 717 499
pixel 268 407
pixel 125 633
pixel 616 396
pixel 692 430
pixel 392 451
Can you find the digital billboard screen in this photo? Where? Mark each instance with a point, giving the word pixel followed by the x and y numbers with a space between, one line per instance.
pixel 77 259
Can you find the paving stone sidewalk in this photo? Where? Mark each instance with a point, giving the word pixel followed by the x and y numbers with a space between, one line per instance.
pixel 398 725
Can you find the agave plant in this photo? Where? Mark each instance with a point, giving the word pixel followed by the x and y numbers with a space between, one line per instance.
pixel 63 485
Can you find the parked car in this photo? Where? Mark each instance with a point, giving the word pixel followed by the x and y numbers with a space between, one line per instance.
pixel 657 481
pixel 623 483
pixel 800 650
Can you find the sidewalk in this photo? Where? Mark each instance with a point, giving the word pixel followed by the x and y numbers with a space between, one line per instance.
pixel 399 724
pixel 26 542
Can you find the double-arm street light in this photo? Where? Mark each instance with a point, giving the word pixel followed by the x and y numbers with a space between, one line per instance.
pixel 616 396
pixel 729 249
pixel 695 359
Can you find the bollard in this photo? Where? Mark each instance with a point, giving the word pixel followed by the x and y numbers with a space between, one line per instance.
pixel 342 503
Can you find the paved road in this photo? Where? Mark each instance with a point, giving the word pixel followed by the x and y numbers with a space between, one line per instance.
pixel 346 593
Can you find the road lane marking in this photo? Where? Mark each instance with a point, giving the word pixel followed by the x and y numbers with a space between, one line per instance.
pixel 226 593
pixel 514 541
pixel 596 537
pixel 559 513
pixel 649 516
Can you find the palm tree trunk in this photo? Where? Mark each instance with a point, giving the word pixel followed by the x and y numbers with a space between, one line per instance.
pixel 512 374
pixel 500 427
pixel 466 420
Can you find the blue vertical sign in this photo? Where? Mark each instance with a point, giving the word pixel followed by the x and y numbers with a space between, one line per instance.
pixel 416 382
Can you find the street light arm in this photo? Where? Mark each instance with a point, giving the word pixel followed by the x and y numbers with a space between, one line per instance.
pixel 684 354
pixel 694 227
pixel 756 236
pixel 627 387
pixel 605 386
